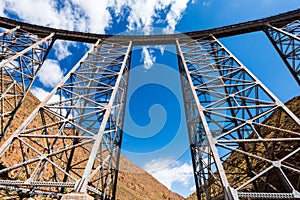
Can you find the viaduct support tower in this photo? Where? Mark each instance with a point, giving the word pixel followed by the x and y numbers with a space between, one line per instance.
pixel 21 56
pixel 286 41
pixel 74 144
pixel 239 147
pixel 235 151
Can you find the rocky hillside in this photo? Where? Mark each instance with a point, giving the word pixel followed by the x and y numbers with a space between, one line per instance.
pixel 133 182
pixel 285 123
pixel 136 184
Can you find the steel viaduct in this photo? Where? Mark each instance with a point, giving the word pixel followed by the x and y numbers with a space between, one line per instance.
pixel 71 148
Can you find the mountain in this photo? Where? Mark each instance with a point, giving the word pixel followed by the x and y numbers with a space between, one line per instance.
pixel 285 123
pixel 133 182
pixel 136 184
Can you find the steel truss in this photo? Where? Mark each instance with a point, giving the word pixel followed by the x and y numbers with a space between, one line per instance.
pixel 21 57
pixel 71 141
pixel 239 147
pixel 286 41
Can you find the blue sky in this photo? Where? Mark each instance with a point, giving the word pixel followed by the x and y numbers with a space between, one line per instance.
pixel 155 132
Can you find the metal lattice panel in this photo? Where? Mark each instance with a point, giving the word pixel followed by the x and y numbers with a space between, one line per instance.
pixel 72 142
pixel 236 137
pixel 21 57
pixel 286 41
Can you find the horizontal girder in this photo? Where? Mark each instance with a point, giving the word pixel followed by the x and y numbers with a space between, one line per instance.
pixel 225 31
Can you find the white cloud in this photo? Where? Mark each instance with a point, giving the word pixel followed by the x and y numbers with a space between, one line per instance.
pixel 169 172
pixel 93 15
pixel 175 14
pixel 143 12
pixel 161 48
pixel 61 49
pixel 2 6
pixel 206 3
pixel 39 12
pixel 79 15
pixel 41 94
pixel 96 15
pixel 50 74
pixel 148 58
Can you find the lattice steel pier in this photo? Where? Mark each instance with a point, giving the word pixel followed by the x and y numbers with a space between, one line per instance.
pixel 22 55
pixel 227 109
pixel 239 148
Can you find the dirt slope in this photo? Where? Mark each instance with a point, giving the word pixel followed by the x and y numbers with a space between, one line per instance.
pixel 136 184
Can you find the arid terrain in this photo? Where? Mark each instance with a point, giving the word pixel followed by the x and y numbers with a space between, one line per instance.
pixel 133 182
pixel 281 149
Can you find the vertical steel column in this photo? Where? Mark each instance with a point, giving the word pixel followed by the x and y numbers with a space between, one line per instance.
pixel 21 57
pixel 71 142
pixel 286 41
pixel 107 127
pixel 208 134
pixel 239 145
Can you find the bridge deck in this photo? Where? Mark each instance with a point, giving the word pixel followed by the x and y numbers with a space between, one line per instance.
pixel 225 31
